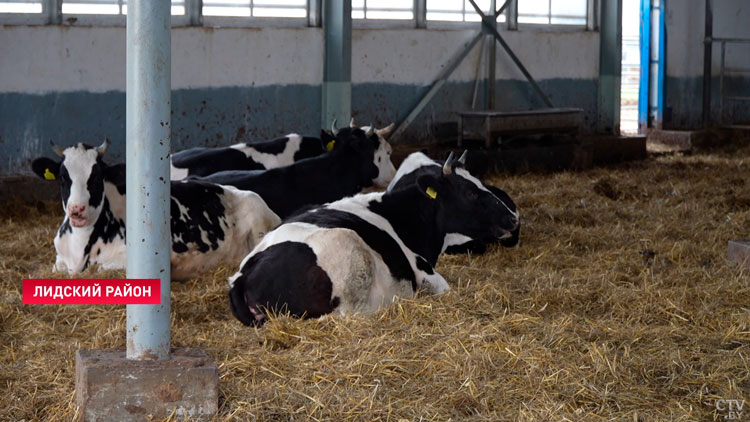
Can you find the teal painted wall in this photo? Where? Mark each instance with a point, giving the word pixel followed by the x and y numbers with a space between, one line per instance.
pixel 222 116
pixel 684 101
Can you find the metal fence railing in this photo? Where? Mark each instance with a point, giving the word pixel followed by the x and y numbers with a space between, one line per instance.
pixel 737 70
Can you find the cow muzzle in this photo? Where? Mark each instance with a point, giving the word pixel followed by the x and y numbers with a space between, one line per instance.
pixel 77 215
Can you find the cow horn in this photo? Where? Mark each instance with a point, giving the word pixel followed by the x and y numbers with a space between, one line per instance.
pixel 57 148
pixel 386 130
pixel 370 130
pixel 447 167
pixel 462 159
pixel 101 149
pixel 351 122
pixel 334 130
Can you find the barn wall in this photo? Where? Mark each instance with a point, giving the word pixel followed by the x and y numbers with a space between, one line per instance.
pixel 685 20
pixel 67 84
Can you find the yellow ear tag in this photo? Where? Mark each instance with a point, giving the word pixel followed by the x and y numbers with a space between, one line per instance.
pixel 431 193
pixel 48 175
pixel 329 146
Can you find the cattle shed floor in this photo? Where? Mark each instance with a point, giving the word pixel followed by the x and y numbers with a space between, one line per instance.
pixel 619 304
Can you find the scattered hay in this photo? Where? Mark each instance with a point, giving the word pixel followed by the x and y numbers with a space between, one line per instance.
pixel 619 305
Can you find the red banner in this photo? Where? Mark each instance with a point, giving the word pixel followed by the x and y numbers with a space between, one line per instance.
pixel 94 291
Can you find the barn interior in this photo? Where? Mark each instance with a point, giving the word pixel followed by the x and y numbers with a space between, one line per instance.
pixel 620 130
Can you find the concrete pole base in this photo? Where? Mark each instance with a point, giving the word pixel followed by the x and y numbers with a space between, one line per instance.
pixel 739 252
pixel 110 387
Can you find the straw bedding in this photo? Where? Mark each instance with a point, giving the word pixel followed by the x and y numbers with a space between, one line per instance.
pixel 619 305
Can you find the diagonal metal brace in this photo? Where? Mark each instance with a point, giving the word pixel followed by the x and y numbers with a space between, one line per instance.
pixel 500 10
pixel 487 27
pixel 439 82
pixel 492 30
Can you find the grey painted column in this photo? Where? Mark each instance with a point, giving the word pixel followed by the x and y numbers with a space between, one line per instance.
pixel 610 63
pixel 147 157
pixel 337 70
pixel 53 9
pixel 708 34
pixel 492 59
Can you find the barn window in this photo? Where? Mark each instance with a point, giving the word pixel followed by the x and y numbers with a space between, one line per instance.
pixel 458 10
pixel 256 8
pixel 383 9
pixel 108 7
pixel 21 6
pixel 552 12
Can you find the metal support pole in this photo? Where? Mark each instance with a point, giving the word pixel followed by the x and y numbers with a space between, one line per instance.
pixel 610 66
pixel 53 10
pixel 314 15
pixel 337 72
pixel 492 58
pixel 707 57
pixel 645 71
pixel 512 15
pixel 591 15
pixel 147 157
pixel 477 75
pixel 721 82
pixel 420 11
pixel 194 12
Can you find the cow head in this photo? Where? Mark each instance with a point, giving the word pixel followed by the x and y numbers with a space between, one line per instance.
pixel 419 163
pixel 465 205
pixel 81 175
pixel 370 145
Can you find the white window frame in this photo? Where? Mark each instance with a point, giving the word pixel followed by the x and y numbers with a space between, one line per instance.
pixel 261 21
pixel 51 15
pixel 589 25
pixel 26 18
pixel 388 23
pixel 437 24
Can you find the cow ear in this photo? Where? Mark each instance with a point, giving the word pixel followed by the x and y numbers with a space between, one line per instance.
pixel 46 168
pixel 430 186
pixel 327 140
pixel 115 174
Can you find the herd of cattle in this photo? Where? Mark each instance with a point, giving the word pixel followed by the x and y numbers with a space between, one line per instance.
pixel 293 212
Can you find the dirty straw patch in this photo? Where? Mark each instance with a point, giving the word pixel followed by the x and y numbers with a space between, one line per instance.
pixel 619 305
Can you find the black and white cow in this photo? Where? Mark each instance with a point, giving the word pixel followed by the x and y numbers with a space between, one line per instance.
pixel 210 224
pixel 418 164
pixel 275 153
pixel 356 254
pixel 358 159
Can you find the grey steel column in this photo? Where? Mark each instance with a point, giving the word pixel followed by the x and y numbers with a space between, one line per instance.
pixel 610 66
pixel 492 58
pixel 337 71
pixel 707 58
pixel 147 157
pixel 53 10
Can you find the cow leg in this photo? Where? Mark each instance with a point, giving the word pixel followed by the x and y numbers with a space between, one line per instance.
pixel 435 283
pixel 59 265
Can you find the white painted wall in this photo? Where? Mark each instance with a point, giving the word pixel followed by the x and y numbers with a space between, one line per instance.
pixel 409 56
pixel 685 23
pixel 43 59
